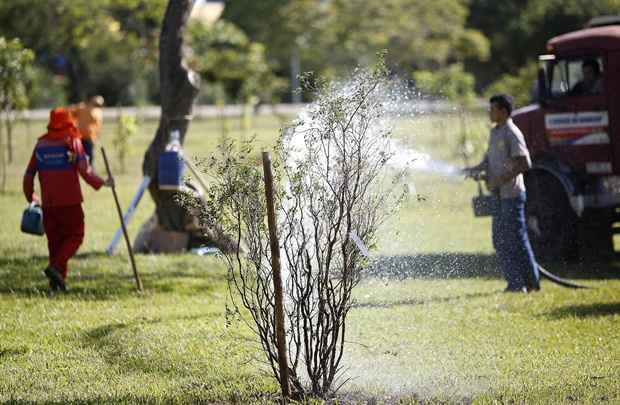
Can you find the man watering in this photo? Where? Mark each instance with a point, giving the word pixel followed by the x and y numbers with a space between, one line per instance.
pixel 502 169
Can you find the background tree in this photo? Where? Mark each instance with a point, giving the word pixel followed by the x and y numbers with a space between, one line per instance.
pixel 455 84
pixel 227 59
pixel 519 30
pixel 126 129
pixel 110 47
pixel 331 36
pixel 106 48
pixel 522 84
pixel 236 68
pixel 263 22
pixel 14 63
pixel 452 83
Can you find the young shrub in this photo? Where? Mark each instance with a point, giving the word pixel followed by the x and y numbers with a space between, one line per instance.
pixel 127 128
pixel 333 187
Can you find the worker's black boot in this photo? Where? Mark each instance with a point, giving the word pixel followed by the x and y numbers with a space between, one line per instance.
pixel 55 278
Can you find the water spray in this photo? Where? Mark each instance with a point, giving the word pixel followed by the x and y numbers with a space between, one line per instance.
pixel 406 158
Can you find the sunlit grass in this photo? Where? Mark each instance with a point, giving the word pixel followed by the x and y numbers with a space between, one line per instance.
pixel 434 327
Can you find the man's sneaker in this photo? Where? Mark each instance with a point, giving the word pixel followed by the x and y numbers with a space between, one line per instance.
pixel 516 290
pixel 56 280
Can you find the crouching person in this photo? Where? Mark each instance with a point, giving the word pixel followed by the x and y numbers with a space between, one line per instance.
pixel 58 157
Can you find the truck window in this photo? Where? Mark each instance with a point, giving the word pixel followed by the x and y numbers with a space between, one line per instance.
pixel 577 77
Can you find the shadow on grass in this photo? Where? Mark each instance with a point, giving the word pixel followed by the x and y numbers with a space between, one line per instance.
pixel 476 265
pixel 101 277
pixel 197 393
pixel 111 342
pixel 585 310
pixel 90 255
pixel 23 276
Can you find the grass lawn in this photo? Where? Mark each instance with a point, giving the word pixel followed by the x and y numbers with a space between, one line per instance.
pixel 431 327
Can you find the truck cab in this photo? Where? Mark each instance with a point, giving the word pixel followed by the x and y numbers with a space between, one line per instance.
pixel 573 134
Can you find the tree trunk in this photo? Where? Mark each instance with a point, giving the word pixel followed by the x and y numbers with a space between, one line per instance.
pixel 3 165
pixel 179 87
pixel 9 136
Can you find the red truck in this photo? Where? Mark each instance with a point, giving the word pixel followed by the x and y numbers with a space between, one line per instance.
pixel 573 134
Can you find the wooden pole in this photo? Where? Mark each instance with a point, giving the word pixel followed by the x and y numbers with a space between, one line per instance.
pixel 120 215
pixel 277 277
pixel 196 174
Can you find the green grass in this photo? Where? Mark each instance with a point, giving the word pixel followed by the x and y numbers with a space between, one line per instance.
pixel 437 329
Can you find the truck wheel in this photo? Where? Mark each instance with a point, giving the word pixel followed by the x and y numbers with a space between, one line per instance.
pixel 551 221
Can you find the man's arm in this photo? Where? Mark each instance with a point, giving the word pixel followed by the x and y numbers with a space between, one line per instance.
pixel 475 171
pixel 28 181
pixel 515 166
pixel 86 170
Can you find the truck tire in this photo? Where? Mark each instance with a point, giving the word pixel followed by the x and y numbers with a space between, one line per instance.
pixel 552 224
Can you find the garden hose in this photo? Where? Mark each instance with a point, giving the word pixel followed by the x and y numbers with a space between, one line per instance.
pixel 558 280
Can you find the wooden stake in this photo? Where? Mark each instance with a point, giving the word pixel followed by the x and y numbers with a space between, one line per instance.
pixel 120 215
pixel 277 277
pixel 196 174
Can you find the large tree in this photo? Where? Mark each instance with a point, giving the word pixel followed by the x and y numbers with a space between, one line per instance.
pixel 179 87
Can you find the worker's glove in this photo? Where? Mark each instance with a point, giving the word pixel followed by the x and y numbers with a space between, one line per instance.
pixel 109 182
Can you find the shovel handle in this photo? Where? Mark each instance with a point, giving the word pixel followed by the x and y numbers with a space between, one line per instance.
pixel 120 215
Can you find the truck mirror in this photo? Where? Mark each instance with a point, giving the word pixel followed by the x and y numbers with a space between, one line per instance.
pixel 542 87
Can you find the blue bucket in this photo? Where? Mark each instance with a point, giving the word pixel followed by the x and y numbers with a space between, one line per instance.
pixel 171 170
pixel 32 220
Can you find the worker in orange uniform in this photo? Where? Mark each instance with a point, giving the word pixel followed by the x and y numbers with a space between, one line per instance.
pixel 58 157
pixel 89 119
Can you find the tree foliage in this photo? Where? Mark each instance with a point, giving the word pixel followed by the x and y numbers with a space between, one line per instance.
pixel 224 55
pixel 15 61
pixel 334 35
pixel 452 83
pixel 107 48
pixel 519 30
pixel 110 46
pixel 521 85
pixel 126 130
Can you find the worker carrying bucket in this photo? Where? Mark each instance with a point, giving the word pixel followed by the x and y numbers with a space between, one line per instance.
pixel 58 157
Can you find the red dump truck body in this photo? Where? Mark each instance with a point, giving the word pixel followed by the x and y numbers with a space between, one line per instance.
pixel 574 139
